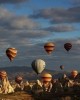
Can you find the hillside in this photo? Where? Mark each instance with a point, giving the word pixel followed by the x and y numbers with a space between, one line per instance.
pixel 27 73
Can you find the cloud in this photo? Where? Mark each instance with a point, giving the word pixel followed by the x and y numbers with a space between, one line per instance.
pixel 22 22
pixel 76 2
pixel 60 28
pixel 19 30
pixel 59 15
pixel 28 50
pixel 5 14
pixel 12 1
pixel 33 33
pixel 59 56
pixel 75 45
pixel 20 38
pixel 10 21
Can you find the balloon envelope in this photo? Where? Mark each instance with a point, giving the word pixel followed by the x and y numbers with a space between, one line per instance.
pixel 11 53
pixel 67 46
pixel 18 79
pixel 38 65
pixel 46 77
pixel 61 67
pixel 74 73
pixel 49 47
pixel 3 74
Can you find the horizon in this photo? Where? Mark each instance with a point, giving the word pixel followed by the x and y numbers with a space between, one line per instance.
pixel 30 67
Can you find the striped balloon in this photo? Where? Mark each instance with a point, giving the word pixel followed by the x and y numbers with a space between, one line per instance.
pixel 46 77
pixel 49 47
pixel 18 79
pixel 11 53
pixel 3 74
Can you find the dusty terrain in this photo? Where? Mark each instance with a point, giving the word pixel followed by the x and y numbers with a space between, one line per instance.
pixel 16 96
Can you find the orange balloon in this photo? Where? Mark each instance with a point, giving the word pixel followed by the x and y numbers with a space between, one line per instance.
pixel 11 53
pixel 49 47
pixel 46 77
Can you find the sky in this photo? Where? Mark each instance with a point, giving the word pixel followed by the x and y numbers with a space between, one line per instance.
pixel 28 24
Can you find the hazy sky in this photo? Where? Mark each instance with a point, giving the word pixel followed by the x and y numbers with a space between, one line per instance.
pixel 28 24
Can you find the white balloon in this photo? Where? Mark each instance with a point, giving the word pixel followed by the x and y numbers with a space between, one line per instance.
pixel 38 65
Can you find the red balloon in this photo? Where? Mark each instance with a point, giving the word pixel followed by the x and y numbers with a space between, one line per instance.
pixel 67 46
pixel 18 79
pixel 3 74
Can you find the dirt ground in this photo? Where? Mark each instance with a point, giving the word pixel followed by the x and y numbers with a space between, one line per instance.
pixel 21 95
pixel 16 96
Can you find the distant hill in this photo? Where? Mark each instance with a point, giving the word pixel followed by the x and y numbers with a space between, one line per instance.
pixel 27 72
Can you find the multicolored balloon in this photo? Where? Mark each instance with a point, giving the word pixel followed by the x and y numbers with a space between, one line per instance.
pixel 67 46
pixel 38 65
pixel 49 47
pixel 18 79
pixel 11 53
pixel 3 74
pixel 46 77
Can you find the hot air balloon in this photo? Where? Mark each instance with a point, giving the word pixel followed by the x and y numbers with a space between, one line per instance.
pixel 46 77
pixel 49 47
pixel 11 53
pixel 74 73
pixel 61 67
pixel 18 79
pixel 3 74
pixel 67 46
pixel 38 65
